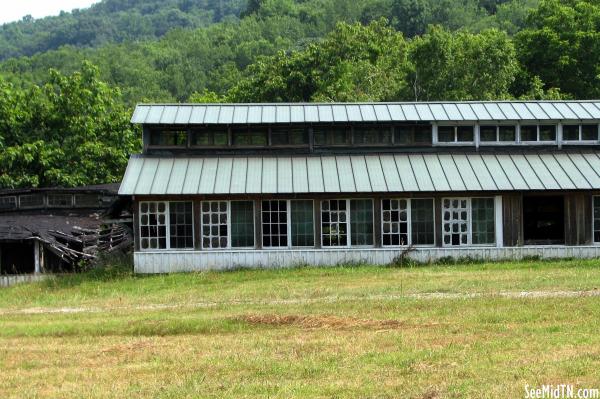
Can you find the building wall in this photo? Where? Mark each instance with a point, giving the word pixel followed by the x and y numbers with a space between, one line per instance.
pixel 509 236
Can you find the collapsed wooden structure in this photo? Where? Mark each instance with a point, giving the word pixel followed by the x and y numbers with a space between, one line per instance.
pixel 57 230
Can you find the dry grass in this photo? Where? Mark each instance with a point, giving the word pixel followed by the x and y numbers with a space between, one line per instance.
pixel 284 334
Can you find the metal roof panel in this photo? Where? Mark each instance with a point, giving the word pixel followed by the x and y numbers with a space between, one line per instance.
pixel 411 114
pixel 494 111
pixel 565 111
pixel 523 111
pixel 453 112
pixel 353 112
pixel 178 175
pixel 197 116
pixel 183 115
pixel 368 113
pixel 254 114
pixel 254 173
pixel 209 174
pixel 132 175
pixel 438 112
pixel 314 170
pixel 240 114
pixel 586 169
pixel 162 176
pixel 362 178
pixel 311 113
pixel 283 114
pixel 285 183
pixel 269 114
pixel 481 112
pixel 168 115
pixel 396 113
pixel 269 176
pixel 146 176
pixel 451 173
pixel 381 112
pixel 331 181
pixel 325 113
pixel 536 111
pixel 436 172
pixel 484 177
pixel 154 114
pixel 466 172
pixel 527 172
pixel 191 184
pixel 239 176
pixel 421 173
pixel 592 109
pixel 466 111
pixel 339 113
pixel 226 115
pixel 375 172
pixel 297 113
pixel 212 114
pixel 508 110
pixel 501 181
pixel 551 111
pixel 345 174
pixel 300 175
pixel 140 114
pixel 390 173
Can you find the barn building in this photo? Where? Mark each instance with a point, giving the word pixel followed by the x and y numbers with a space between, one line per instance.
pixel 272 185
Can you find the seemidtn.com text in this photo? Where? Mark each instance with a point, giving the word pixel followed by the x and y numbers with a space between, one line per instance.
pixel 562 391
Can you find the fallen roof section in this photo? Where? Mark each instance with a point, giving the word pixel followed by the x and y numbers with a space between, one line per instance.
pixel 152 175
pixel 209 114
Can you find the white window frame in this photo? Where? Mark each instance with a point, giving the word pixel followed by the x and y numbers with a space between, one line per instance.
pixel 349 222
pixel 580 141
pixel 167 227
pixel 540 142
pixel 455 143
pixel 289 223
pixel 470 223
pixel 497 142
pixel 228 226
pixel 409 215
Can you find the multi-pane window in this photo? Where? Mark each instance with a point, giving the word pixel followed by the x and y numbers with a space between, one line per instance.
pixel 214 224
pixel 361 222
pixel 456 221
pixel 334 223
pixel 407 222
pixel 253 136
pixel 372 135
pixel 302 223
pixel 60 200
pixel 412 135
pixel 242 224
pixel 468 221
pixel 31 200
pixel 597 219
pixel 294 136
pixel 496 134
pixel 534 133
pixel 87 200
pixel 455 134
pixel 168 138
pixel 274 223
pixel 181 225
pixel 394 223
pixel 7 203
pixel 166 225
pixel 331 135
pixel 580 133
pixel 422 221
pixel 210 137
pixel 153 225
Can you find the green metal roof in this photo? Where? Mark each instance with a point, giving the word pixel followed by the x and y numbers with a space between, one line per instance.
pixel 564 170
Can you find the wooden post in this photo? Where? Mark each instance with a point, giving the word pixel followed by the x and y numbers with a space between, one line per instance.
pixel 317 212
pixel 438 222
pixel 377 222
pixel 258 224
pixel 36 256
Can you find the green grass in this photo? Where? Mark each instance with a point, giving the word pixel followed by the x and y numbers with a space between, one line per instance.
pixel 308 332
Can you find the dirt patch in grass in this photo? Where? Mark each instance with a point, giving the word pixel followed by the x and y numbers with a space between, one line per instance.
pixel 322 322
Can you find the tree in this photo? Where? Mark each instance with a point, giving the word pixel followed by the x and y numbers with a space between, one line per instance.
pixel 562 46
pixel 462 66
pixel 353 63
pixel 71 131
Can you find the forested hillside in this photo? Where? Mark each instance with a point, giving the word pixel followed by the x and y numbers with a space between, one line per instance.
pixel 111 21
pixel 278 50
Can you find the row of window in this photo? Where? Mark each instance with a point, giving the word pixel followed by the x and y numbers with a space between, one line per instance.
pixel 407 135
pixel 291 223
pixel 51 200
pixel 294 136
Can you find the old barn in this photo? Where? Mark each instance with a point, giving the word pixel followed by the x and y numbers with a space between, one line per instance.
pixel 245 185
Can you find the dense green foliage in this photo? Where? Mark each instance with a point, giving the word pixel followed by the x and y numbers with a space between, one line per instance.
pixel 268 50
pixel 72 131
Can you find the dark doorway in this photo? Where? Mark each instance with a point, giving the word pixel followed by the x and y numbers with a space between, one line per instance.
pixel 544 220
pixel 16 258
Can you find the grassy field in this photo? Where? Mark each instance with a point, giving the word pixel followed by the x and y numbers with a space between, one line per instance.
pixel 460 331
